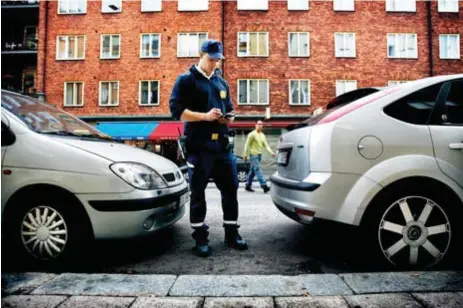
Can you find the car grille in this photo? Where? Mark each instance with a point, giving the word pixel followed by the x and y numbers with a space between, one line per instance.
pixel 172 177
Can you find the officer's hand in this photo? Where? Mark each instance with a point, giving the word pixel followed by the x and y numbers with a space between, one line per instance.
pixel 213 114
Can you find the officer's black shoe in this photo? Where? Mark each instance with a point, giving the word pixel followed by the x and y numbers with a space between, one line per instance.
pixel 233 238
pixel 249 188
pixel 265 188
pixel 200 235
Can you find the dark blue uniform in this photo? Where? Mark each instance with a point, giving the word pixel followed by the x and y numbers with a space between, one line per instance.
pixel 207 143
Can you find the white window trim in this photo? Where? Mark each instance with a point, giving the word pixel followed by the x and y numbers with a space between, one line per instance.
pixel 389 7
pixel 396 35
pixel 289 45
pixel 443 9
pixel 199 47
pixel 343 81
pixel 341 8
pixel 83 93
pixel 68 13
pixel 344 39
pixel 247 51
pixel 300 9
pixel 291 97
pixel 141 46
pixel 149 86
pixel 247 94
pixel 192 9
pixel 112 11
pixel 150 10
pixel 110 46
pixel 240 7
pixel 67 44
pixel 109 95
pixel 458 47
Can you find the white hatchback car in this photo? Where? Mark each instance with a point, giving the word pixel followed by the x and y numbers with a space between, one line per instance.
pixel 65 183
pixel 390 162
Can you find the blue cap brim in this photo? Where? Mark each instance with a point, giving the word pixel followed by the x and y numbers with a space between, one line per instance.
pixel 216 55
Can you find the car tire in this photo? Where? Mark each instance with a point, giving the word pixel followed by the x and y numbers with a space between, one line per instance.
pixel 47 230
pixel 412 226
pixel 242 176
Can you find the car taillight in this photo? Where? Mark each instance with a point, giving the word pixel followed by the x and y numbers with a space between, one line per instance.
pixel 354 106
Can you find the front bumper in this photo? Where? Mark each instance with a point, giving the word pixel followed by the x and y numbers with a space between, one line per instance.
pixel 136 213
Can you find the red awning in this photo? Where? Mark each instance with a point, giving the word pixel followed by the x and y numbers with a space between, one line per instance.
pixel 167 131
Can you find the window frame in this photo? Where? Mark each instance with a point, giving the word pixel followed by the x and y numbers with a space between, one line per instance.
pixel 74 94
pixel 390 3
pixel 447 35
pixel 191 7
pixel 443 8
pixel 149 87
pixel 69 3
pixel 241 5
pixel 343 81
pixel 110 46
pixel 199 45
pixel 340 6
pixel 247 92
pixel 109 95
pixel 67 47
pixel 112 11
pixel 415 35
pixel 291 103
pixel 267 35
pixel 298 51
pixel 150 10
pixel 294 8
pixel 141 46
pixel 344 35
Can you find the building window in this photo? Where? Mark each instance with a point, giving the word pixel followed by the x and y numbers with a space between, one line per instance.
pixel 253 92
pixel 299 45
pixel 343 5
pixel 449 46
pixel 343 86
pixel 189 44
pixel 149 93
pixel 110 46
pixel 252 44
pixel 403 46
pixel 193 5
pixel 253 5
pixel 298 5
pixel 72 6
pixel 151 5
pixel 109 93
pixel 73 94
pixel 150 45
pixel 344 45
pixel 401 5
pixel 111 6
pixel 299 92
pixel 70 47
pixel 448 6
pixel 395 82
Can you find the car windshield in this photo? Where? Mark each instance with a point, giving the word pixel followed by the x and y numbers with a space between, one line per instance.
pixel 47 119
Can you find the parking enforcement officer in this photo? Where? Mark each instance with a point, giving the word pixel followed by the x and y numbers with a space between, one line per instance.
pixel 201 98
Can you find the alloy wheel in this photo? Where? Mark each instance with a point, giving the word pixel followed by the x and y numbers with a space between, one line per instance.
pixel 242 176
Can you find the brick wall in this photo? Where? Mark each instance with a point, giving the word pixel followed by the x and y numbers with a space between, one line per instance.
pixel 371 67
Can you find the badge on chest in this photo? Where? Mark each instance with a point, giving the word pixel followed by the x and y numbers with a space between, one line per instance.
pixel 223 94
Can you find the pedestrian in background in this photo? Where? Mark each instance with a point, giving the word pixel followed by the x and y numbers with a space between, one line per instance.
pixel 255 144
pixel 201 98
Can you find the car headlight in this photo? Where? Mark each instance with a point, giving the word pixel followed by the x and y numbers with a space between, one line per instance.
pixel 138 175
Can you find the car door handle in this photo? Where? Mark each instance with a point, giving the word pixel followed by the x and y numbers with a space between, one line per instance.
pixel 456 146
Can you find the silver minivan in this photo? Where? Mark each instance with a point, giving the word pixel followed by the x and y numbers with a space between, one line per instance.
pixel 64 183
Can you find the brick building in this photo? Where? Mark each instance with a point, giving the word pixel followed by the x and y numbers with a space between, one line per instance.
pixel 115 60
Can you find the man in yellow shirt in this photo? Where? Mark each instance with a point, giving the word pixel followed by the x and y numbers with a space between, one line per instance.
pixel 255 143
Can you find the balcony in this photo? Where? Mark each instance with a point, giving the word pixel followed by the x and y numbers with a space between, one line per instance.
pixel 20 4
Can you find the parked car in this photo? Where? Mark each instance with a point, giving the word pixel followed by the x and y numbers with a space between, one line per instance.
pixel 391 163
pixel 64 183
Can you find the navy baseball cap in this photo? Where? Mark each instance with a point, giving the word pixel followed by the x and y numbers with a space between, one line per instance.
pixel 213 48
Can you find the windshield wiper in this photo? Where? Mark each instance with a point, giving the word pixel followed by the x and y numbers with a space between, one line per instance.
pixel 67 133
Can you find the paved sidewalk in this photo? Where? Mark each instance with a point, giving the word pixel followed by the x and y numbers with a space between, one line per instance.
pixel 365 290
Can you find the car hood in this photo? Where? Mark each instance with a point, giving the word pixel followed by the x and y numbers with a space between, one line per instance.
pixel 117 152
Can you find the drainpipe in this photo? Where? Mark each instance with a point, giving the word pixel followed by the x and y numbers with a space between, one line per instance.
pixel 223 36
pixel 431 56
pixel 41 95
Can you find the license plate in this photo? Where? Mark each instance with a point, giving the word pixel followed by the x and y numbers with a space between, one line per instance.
pixel 282 158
